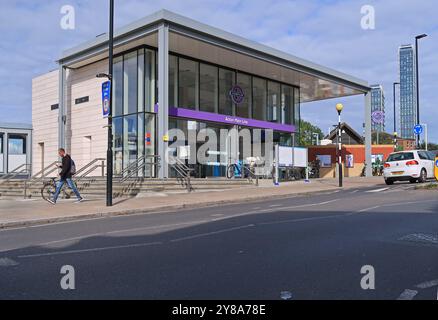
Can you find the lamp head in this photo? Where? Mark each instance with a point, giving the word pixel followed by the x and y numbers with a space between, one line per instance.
pixel 421 36
pixel 339 107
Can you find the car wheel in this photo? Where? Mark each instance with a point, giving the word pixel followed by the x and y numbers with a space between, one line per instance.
pixel 389 182
pixel 423 176
pixel 412 180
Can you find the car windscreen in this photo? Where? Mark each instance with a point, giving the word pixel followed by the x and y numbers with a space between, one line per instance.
pixel 400 156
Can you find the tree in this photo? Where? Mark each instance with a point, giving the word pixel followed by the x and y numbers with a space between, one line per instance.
pixel 384 138
pixel 307 133
pixel 430 146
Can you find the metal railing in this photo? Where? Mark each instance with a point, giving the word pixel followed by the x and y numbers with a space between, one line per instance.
pixel 183 172
pixel 23 169
pixel 54 166
pixel 91 167
pixel 141 163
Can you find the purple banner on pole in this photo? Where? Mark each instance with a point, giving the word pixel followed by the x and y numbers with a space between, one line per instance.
pixel 231 120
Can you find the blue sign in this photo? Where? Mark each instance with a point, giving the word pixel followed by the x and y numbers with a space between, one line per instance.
pixel 418 129
pixel 436 164
pixel 106 95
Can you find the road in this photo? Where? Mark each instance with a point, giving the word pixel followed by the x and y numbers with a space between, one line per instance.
pixel 303 247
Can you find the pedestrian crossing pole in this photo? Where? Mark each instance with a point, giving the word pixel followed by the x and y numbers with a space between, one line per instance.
pixel 339 108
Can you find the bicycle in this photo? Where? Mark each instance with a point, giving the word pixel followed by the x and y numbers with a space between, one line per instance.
pixel 235 170
pixel 49 188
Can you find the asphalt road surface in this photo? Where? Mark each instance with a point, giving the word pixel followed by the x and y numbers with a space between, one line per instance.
pixel 304 247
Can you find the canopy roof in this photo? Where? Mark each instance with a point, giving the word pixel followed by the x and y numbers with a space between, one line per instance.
pixel 204 42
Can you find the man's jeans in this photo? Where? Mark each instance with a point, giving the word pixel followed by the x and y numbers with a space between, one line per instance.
pixel 71 185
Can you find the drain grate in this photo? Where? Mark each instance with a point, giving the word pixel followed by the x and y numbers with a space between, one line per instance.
pixel 422 238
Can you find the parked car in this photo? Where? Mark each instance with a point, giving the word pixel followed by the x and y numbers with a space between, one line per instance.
pixel 413 166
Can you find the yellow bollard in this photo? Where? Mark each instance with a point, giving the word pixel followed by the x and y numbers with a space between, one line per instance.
pixel 436 167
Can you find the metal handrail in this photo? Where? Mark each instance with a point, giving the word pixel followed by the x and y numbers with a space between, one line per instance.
pixel 134 167
pixel 88 165
pixel 48 170
pixel 183 171
pixel 16 172
pixel 44 172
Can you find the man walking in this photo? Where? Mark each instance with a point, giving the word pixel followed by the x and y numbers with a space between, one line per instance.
pixel 65 174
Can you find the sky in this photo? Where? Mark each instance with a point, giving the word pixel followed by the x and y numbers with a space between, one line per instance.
pixel 327 32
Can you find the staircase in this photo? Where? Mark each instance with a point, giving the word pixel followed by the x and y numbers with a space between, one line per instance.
pixel 95 187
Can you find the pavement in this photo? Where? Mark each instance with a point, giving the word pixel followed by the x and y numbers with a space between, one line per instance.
pixel 299 247
pixel 21 212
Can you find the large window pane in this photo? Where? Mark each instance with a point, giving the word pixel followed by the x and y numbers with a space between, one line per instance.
pixel 118 145
pixel 287 103
pixel 208 88
pixel 140 140
pixel 188 84
pixel 244 109
pixel 297 107
pixel 130 83
pixel 150 139
pixel 150 80
pixel 16 145
pixel 259 99
pixel 141 76
pixel 226 83
pixel 173 81
pixel 118 86
pixel 273 101
pixel 129 140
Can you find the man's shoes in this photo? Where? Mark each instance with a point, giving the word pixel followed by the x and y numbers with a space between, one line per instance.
pixel 80 200
pixel 51 201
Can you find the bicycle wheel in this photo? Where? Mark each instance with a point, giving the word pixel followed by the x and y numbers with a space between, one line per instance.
pixel 230 171
pixel 47 191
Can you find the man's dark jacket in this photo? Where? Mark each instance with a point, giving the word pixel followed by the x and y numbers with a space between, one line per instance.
pixel 66 166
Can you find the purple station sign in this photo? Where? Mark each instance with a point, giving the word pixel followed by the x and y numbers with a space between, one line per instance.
pixel 231 120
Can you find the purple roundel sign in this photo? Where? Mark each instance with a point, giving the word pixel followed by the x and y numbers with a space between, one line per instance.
pixel 237 94
pixel 378 117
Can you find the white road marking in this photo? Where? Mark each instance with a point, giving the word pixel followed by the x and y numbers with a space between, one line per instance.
pixel 302 219
pixel 408 294
pixel 395 204
pixel 377 190
pixel 200 235
pixel 368 209
pixel 57 253
pixel 354 191
pixel 6 262
pixel 275 205
pixel 427 284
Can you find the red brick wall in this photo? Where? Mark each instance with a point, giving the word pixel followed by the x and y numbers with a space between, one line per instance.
pixel 357 150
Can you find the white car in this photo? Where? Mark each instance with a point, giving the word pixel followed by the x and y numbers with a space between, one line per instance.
pixel 412 166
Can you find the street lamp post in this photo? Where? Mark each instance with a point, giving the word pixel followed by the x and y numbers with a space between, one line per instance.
pixel 339 108
pixel 395 116
pixel 109 153
pixel 417 86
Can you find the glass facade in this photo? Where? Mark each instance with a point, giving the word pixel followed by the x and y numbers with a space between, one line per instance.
pixel 408 106
pixel 193 85
pixel 134 91
pixel 206 87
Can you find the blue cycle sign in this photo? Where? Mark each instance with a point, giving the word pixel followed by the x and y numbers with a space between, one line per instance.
pixel 378 117
pixel 418 129
pixel 237 95
pixel 106 94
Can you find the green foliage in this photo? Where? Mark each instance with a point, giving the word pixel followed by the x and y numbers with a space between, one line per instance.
pixel 307 131
pixel 384 138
